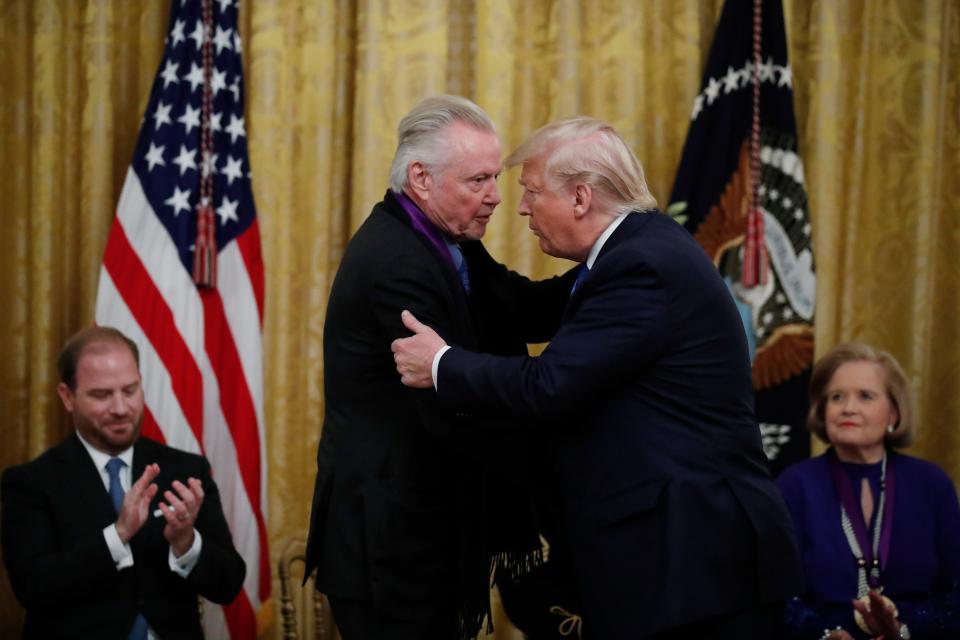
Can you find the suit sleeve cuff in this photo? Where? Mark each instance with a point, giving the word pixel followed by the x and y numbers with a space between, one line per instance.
pixel 121 553
pixel 436 364
pixel 183 565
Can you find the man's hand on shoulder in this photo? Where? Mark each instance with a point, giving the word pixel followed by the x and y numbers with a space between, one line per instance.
pixel 414 355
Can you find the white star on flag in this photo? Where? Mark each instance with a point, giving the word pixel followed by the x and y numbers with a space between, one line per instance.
pixel 218 81
pixel 712 90
pixel 176 34
pixel 786 77
pixel 169 73
pixel 235 128
pixel 233 170
pixel 197 35
pixel 766 70
pixel 179 200
pixel 190 118
pixel 227 210
pixel 747 74
pixel 730 80
pixel 222 39
pixel 162 115
pixel 235 88
pixel 195 77
pixel 697 106
pixel 186 160
pixel 155 157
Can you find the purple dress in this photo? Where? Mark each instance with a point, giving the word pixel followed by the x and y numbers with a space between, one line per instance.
pixel 922 574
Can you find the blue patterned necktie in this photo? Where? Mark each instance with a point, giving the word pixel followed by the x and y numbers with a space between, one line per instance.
pixel 584 270
pixel 461 264
pixel 139 629
pixel 116 489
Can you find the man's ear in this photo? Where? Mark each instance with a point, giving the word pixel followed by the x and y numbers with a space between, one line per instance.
pixel 66 396
pixel 418 178
pixel 582 197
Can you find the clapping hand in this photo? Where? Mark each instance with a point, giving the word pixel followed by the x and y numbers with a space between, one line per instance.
pixel 180 510
pixel 136 504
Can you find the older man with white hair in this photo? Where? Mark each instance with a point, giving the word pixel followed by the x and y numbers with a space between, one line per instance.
pixel 399 529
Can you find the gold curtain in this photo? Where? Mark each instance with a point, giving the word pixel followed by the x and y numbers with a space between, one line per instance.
pixel 877 86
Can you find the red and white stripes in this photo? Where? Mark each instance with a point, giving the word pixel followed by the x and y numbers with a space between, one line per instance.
pixel 201 361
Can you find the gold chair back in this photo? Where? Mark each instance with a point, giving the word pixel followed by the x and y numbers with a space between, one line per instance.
pixel 304 610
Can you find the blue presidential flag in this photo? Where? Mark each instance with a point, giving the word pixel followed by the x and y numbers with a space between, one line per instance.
pixel 740 190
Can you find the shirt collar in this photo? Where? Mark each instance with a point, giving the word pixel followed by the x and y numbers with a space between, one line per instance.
pixel 100 458
pixel 598 245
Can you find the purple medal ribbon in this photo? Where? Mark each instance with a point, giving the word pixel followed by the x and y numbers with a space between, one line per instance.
pixel 424 227
pixel 845 492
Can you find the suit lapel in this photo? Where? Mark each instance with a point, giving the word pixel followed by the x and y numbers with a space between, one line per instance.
pixel 141 451
pixel 631 226
pixel 81 478
pixel 454 288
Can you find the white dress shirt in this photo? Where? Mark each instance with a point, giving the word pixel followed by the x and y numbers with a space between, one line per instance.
pixel 120 552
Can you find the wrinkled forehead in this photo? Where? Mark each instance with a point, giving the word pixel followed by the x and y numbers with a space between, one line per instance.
pixel 471 151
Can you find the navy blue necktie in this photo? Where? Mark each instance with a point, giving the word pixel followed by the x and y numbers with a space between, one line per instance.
pixel 461 264
pixel 139 629
pixel 584 270
pixel 116 489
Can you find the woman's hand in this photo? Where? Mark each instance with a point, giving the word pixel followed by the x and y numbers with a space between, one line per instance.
pixel 879 616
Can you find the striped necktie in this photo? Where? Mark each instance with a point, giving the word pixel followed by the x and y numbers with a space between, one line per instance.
pixel 584 270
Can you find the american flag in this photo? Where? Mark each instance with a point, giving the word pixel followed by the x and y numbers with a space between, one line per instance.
pixel 200 347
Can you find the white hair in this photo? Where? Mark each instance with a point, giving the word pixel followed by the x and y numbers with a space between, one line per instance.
pixel 420 133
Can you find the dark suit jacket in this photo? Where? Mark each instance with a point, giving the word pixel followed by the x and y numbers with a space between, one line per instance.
pixel 397 502
pixel 54 511
pixel 671 512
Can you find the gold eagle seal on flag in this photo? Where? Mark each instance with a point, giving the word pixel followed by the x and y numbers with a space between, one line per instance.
pixel 777 313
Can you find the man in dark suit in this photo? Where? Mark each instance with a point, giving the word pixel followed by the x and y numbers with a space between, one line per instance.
pixel 675 526
pixel 93 548
pixel 400 526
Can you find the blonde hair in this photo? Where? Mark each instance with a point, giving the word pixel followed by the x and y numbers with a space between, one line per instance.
pixel 895 382
pixel 590 151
